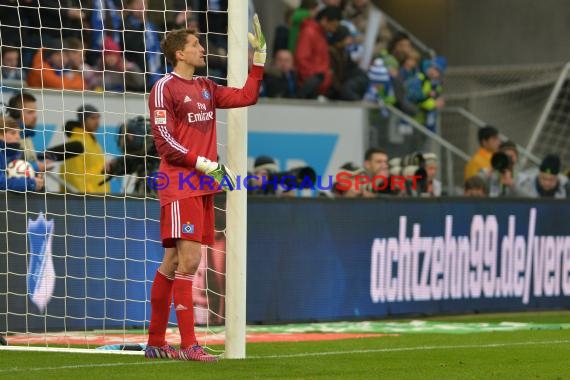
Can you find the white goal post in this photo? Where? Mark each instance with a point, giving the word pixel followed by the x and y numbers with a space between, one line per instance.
pixel 236 211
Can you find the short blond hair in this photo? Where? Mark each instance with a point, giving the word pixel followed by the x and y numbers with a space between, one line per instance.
pixel 174 41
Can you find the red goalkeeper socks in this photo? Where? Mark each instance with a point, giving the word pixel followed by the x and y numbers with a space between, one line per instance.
pixel 160 300
pixel 184 308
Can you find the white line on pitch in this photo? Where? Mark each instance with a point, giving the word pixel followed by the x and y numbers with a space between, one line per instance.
pixel 418 348
pixel 79 366
pixel 305 354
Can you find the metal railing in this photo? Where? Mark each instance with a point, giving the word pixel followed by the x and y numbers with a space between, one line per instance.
pixel 548 108
pixel 449 148
pixel 478 123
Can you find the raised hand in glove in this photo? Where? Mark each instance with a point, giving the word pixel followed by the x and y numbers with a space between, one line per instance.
pixel 257 41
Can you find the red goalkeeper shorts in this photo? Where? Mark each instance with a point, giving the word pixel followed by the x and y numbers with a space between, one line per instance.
pixel 189 219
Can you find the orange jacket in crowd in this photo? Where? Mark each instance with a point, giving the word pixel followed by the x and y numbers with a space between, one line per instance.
pixel 43 75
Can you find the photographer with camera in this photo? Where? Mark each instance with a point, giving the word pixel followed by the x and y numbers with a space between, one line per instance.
pixel 264 167
pixel 502 179
pixel 139 159
pixel 85 171
pixel 267 180
pixel 419 170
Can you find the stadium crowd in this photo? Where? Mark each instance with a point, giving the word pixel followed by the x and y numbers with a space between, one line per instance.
pixel 318 55
pixel 113 45
pixel 100 45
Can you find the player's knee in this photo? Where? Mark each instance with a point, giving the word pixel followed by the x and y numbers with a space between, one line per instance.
pixel 188 265
pixel 189 255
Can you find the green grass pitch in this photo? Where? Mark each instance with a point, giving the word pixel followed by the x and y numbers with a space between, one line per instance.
pixel 534 354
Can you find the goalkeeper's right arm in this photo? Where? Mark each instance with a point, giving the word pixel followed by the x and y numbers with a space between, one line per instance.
pixel 221 173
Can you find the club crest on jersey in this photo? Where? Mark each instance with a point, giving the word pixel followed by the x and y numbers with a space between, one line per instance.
pixel 160 117
pixel 187 228
pixel 206 94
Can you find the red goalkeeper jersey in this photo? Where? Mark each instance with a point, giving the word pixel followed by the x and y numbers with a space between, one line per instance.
pixel 183 119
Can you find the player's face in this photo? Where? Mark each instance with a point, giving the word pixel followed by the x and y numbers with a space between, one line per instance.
pixel 193 53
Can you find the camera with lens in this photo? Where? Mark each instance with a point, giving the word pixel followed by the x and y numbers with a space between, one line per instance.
pixel 140 157
pixel 297 178
pixel 303 177
pixel 408 166
pixel 501 162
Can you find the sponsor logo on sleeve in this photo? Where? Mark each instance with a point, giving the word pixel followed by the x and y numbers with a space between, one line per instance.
pixel 159 117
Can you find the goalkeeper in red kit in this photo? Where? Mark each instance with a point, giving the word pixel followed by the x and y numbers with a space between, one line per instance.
pixel 183 119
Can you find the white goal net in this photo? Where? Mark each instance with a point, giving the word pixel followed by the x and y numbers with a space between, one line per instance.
pixel 79 248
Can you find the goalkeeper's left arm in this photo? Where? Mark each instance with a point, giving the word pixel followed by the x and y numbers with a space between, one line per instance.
pixel 230 97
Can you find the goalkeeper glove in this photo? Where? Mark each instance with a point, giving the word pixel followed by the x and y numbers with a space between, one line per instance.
pixel 221 174
pixel 257 41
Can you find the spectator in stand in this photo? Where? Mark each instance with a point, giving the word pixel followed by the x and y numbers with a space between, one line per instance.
pixel 22 107
pixel 280 80
pixel 355 46
pixel 547 182
pixel 433 186
pixel 349 82
pixel 356 11
pixel 489 143
pixel 10 63
pixel 86 171
pixel 73 47
pixel 213 20
pixel 46 21
pixel 475 186
pixel 141 41
pixel 114 73
pixel 49 69
pixel 430 98
pixel 409 64
pixel 376 165
pixel 106 20
pixel 187 19
pixel 386 86
pixel 380 89
pixel 312 54
pixel 399 45
pixel 307 10
pixel 10 150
